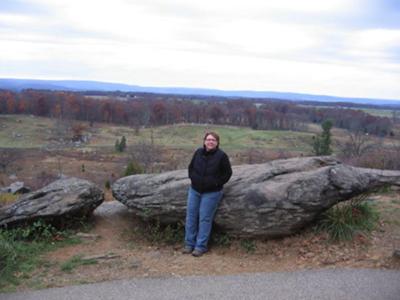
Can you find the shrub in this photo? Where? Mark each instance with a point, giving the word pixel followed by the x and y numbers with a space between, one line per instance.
pixel 248 245
pixel 133 168
pixel 346 219
pixel 221 239
pixel 107 184
pixel 170 234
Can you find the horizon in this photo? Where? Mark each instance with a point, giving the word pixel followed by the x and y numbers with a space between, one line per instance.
pixel 339 48
pixel 209 89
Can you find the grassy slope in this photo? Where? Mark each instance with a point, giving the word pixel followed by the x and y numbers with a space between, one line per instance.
pixel 32 132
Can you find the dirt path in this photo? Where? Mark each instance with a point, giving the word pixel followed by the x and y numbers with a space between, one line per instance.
pixel 120 237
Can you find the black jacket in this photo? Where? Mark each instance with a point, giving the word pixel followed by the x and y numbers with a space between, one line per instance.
pixel 209 171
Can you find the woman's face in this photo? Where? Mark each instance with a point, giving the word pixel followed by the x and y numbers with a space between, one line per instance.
pixel 210 142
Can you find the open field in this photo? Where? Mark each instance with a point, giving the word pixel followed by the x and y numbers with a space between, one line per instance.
pixel 379 112
pixel 19 131
pixel 384 112
pixel 41 153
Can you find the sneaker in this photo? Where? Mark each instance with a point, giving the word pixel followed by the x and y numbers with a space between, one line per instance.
pixel 198 253
pixel 187 250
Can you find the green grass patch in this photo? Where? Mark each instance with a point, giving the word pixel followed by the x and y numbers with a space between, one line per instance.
pixel 21 131
pixel 248 245
pixel 344 220
pixel 21 250
pixel 185 136
pixel 7 198
pixel 396 201
pixel 76 261
pixel 221 239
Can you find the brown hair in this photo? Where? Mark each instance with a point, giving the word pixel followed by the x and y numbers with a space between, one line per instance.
pixel 213 134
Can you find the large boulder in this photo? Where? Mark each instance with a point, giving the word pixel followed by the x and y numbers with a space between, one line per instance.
pixel 68 197
pixel 274 199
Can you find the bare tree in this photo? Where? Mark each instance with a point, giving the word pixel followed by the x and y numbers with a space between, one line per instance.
pixel 358 143
pixel 146 153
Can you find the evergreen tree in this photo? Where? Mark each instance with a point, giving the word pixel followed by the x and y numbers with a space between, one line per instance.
pixel 117 145
pixel 133 168
pixel 322 142
pixel 122 144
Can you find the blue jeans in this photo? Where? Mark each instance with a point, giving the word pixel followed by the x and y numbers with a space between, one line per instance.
pixel 201 208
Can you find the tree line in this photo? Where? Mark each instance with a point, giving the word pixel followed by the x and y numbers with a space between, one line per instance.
pixel 145 109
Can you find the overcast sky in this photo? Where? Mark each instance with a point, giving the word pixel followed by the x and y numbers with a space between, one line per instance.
pixel 333 47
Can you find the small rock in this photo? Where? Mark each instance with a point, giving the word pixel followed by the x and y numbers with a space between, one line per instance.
pixel 135 264
pixel 396 253
pixel 17 187
pixel 155 254
pixel 309 255
pixel 101 256
pixel 328 261
pixel 87 235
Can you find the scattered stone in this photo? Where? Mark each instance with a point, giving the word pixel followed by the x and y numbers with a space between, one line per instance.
pixel 135 264
pixel 101 256
pixel 328 261
pixel 90 236
pixel 154 254
pixel 269 200
pixel 309 255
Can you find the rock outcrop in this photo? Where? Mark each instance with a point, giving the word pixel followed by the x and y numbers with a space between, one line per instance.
pixel 69 197
pixel 274 199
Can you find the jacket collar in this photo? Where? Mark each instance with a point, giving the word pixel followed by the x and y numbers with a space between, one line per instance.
pixel 205 152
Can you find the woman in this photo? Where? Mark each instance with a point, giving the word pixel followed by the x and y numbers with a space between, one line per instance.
pixel 209 170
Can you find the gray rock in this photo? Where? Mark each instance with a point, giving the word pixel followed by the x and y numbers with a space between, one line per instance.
pixel 274 199
pixel 17 187
pixel 66 197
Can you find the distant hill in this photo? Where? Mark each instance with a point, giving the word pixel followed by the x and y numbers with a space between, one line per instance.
pixel 78 85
